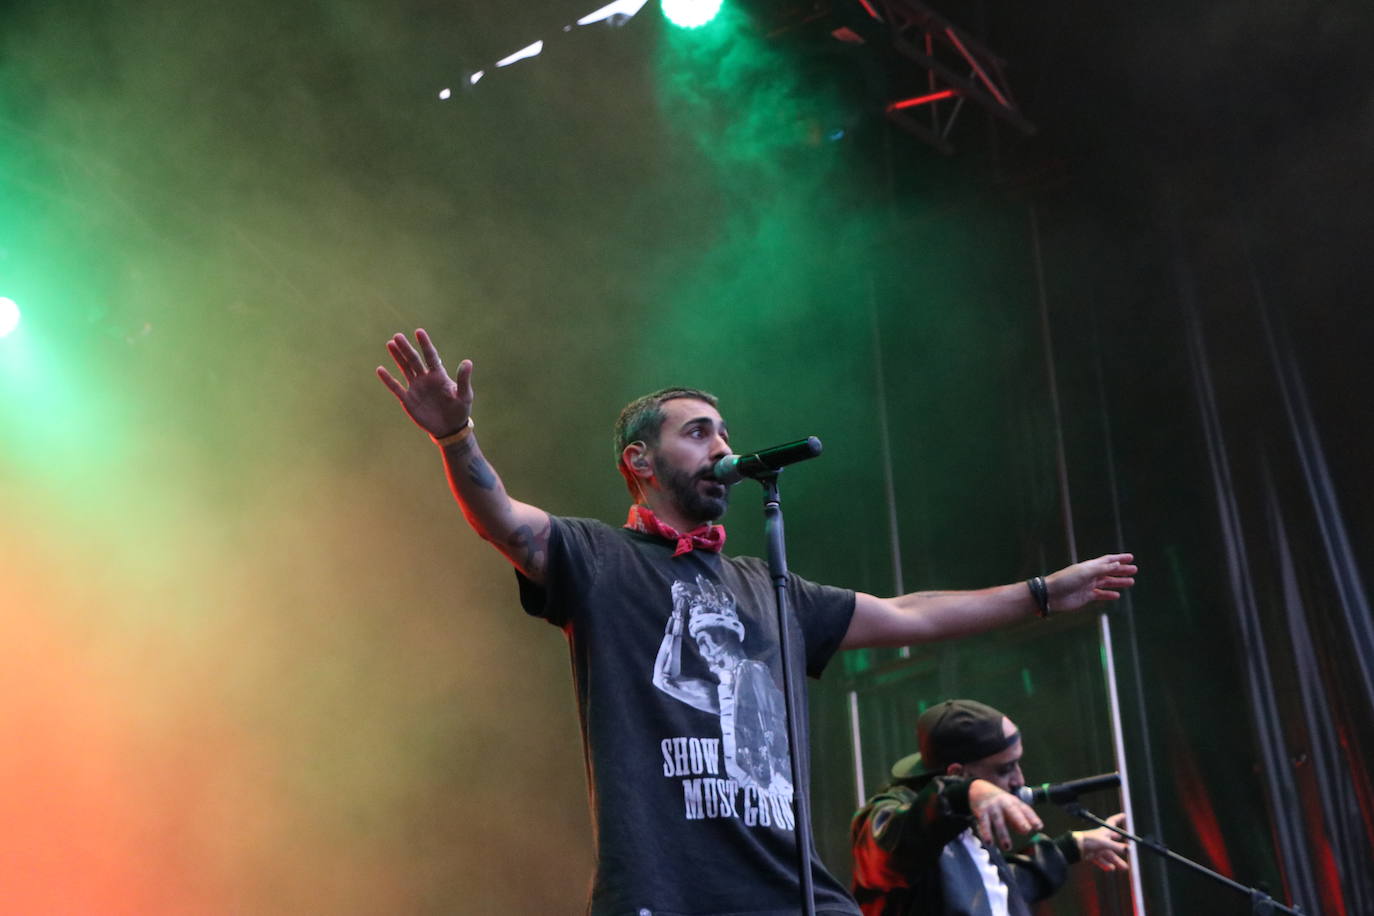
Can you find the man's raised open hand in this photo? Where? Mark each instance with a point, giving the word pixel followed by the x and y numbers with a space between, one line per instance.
pixel 438 404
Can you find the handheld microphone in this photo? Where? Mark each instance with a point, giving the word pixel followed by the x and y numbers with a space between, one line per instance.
pixel 1067 791
pixel 734 468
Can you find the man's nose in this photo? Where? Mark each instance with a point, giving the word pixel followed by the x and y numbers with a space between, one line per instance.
pixel 719 447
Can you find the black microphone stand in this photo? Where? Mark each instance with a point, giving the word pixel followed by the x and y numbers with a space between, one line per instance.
pixel 1260 902
pixel 777 568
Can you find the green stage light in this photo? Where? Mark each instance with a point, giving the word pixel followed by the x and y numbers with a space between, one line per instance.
pixel 9 316
pixel 690 14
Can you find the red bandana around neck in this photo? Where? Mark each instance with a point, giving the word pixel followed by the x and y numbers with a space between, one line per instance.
pixel 707 537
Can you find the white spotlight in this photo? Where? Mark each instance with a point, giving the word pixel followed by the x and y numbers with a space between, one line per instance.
pixel 9 316
pixel 619 12
pixel 524 53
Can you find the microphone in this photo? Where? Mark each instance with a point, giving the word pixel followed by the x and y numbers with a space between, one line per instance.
pixel 734 468
pixel 1067 791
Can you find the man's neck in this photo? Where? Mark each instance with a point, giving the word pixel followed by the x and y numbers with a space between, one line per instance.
pixel 674 518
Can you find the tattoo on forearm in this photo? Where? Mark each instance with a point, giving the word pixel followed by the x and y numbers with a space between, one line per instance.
pixel 527 547
pixel 480 473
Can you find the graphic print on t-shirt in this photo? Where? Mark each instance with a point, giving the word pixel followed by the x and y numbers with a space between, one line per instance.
pixel 742 693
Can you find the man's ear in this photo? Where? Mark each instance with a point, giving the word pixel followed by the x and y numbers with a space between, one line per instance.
pixel 636 460
pixel 954 769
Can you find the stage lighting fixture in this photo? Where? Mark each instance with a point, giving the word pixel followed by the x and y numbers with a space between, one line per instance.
pixel 9 316
pixel 690 14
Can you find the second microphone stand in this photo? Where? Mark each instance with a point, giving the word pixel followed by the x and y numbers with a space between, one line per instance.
pixel 1260 902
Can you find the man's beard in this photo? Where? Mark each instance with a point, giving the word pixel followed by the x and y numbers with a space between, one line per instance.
pixel 686 492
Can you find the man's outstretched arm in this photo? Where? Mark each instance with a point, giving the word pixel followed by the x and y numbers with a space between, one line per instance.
pixel 442 407
pixel 928 616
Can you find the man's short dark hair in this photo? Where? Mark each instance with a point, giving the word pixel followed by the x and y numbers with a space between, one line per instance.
pixel 642 418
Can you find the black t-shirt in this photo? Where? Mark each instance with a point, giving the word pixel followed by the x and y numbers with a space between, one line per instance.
pixel 678 676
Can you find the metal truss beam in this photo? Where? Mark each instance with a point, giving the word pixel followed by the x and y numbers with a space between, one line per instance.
pixel 933 67
pixel 958 68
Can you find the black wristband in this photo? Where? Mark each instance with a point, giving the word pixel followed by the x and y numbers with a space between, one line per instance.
pixel 1040 593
